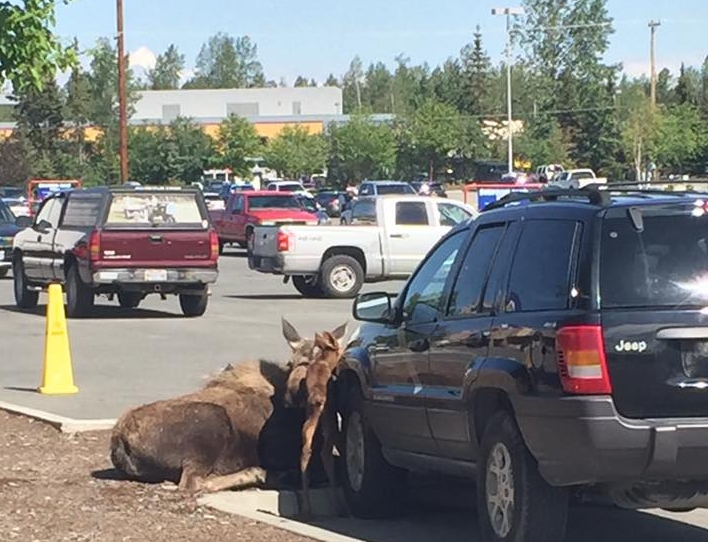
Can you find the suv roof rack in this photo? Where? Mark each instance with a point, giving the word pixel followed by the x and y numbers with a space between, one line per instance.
pixel 589 193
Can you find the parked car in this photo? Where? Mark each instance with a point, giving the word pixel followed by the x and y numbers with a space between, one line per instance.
pixel 547 172
pixel 335 261
pixel 9 226
pixel 576 178
pixel 381 188
pixel 213 201
pixel 547 349
pixel 332 201
pixel 118 241
pixel 228 188
pixel 288 186
pixel 311 206
pixel 245 210
pixel 428 188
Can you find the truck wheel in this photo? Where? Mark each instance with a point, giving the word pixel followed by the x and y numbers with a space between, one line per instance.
pixel 79 296
pixel 372 487
pixel 222 244
pixel 515 502
pixel 307 286
pixel 194 305
pixel 129 300
pixel 3 272
pixel 24 298
pixel 341 276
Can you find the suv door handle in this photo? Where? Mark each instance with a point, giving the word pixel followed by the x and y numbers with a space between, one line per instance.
pixel 398 235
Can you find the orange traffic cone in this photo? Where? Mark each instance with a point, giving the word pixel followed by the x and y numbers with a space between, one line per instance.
pixel 57 375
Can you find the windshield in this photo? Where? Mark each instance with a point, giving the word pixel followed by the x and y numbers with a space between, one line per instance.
pixel 150 209
pixel 273 202
pixel 665 265
pixel 12 192
pixel 294 187
pixel 6 216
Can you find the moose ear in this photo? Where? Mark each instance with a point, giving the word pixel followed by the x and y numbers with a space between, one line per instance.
pixel 326 341
pixel 339 333
pixel 291 335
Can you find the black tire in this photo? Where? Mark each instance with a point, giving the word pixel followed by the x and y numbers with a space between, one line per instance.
pixel 539 511
pixel 307 286
pixel 222 244
pixel 194 304
pixel 242 244
pixel 4 272
pixel 24 298
pixel 347 266
pixel 79 296
pixel 378 490
pixel 129 300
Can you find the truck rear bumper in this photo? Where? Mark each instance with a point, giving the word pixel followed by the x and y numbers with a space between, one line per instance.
pixel 583 440
pixel 182 275
pixel 266 264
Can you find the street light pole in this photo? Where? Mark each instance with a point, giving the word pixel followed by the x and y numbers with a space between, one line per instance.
pixel 122 106
pixel 509 12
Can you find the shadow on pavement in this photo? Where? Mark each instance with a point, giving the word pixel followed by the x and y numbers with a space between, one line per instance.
pixel 233 254
pixel 20 388
pixel 100 312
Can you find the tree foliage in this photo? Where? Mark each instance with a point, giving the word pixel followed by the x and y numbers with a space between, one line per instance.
pixel 167 71
pixel 237 140
pixel 294 152
pixel 228 62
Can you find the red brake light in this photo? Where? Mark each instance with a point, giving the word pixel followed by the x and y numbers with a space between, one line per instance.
pixel 95 246
pixel 283 241
pixel 214 244
pixel 582 364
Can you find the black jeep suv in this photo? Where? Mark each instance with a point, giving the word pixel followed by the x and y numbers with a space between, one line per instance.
pixel 557 345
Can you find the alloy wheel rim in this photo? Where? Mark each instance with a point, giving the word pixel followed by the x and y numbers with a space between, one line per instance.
pixel 355 451
pixel 342 278
pixel 500 490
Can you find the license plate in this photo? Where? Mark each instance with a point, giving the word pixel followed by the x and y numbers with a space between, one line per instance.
pixel 155 274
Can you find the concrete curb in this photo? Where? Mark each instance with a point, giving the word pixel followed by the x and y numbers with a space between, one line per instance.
pixel 273 507
pixel 65 425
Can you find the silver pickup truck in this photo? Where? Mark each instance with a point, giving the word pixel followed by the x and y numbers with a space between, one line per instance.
pixel 388 238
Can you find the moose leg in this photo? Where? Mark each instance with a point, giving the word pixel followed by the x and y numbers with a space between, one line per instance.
pixel 308 433
pixel 330 433
pixel 238 480
pixel 192 478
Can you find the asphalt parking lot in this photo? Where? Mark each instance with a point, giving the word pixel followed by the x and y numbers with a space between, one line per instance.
pixel 122 358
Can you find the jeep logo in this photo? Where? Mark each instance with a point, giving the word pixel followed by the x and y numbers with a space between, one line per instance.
pixel 626 346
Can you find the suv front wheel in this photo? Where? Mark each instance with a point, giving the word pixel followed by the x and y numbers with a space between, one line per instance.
pixel 372 486
pixel 515 502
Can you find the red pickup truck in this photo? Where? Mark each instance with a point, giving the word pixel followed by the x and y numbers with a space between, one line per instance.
pixel 120 241
pixel 246 210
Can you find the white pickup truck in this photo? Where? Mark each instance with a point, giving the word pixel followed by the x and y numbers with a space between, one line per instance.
pixel 577 178
pixel 334 261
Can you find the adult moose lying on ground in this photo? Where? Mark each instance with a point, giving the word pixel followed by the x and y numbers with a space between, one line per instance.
pixel 230 434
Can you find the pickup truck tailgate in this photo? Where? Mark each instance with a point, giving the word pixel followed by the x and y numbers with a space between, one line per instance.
pixel 146 248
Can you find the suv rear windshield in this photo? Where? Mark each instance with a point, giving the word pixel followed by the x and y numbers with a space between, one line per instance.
pixel 142 209
pixel 665 265
pixel 384 189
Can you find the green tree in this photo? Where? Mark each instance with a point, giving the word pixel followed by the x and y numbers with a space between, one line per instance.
pixel 361 149
pixel 39 115
pixel 543 143
pixel 194 150
pixel 30 53
pixel 294 151
pixel 430 134
pixel 352 84
pixel 378 94
pixel 228 62
pixel 237 140
pixel 476 73
pixel 688 86
pixel 639 124
pixel 447 84
pixel 167 71
pixel 77 113
pixel 15 159
pixel 681 139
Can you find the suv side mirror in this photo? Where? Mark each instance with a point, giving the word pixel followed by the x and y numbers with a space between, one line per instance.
pixel 372 307
pixel 23 221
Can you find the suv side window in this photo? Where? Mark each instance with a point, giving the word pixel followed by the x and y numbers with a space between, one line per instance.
pixel 424 295
pixel 451 214
pixel 411 213
pixel 364 211
pixel 540 273
pixel 467 292
pixel 50 211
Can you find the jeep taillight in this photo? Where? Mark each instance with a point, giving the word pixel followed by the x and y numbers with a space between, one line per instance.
pixel 283 241
pixel 95 246
pixel 582 364
pixel 214 244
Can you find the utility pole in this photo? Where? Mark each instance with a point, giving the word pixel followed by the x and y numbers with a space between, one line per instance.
pixel 652 26
pixel 122 99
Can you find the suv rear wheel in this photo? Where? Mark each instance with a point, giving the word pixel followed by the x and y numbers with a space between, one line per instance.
pixel 516 503
pixel 79 296
pixel 373 488
pixel 194 304
pixel 24 298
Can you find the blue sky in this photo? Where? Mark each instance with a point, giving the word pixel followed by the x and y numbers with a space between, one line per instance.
pixel 315 37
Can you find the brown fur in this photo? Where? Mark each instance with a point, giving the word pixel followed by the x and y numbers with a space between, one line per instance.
pixel 230 433
pixel 320 414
